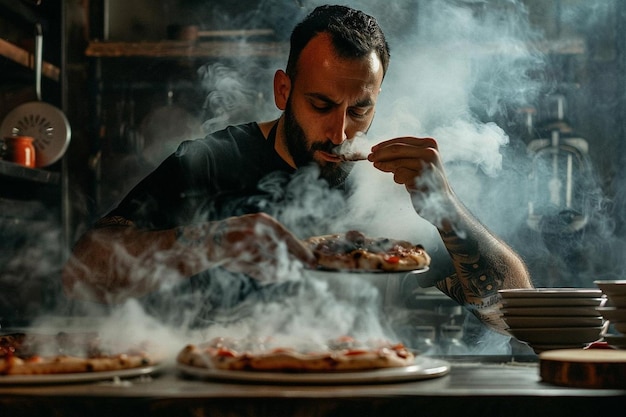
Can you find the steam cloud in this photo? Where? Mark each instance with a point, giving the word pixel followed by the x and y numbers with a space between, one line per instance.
pixel 455 68
pixel 459 70
pixel 437 80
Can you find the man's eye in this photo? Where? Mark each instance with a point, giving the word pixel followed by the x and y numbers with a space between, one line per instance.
pixel 359 113
pixel 321 107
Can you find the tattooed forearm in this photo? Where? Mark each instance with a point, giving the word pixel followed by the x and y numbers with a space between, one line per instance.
pixel 486 308
pixel 476 281
pixel 483 265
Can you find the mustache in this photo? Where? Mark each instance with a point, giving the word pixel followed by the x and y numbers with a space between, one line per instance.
pixel 324 147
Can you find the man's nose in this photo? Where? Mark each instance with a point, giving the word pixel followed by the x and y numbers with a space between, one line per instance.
pixel 337 128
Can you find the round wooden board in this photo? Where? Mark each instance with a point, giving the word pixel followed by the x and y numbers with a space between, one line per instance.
pixel 590 368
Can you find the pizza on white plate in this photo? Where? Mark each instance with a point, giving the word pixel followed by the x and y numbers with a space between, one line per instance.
pixel 354 251
pixel 65 353
pixel 268 355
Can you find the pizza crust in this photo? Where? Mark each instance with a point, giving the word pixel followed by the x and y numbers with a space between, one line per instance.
pixel 71 364
pixel 63 353
pixel 218 354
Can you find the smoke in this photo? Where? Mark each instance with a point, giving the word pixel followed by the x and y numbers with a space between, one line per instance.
pixel 233 94
pixel 321 308
pixel 465 60
pixel 29 256
pixel 459 71
pixel 449 59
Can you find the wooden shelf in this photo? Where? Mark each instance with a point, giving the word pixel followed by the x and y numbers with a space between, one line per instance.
pixel 19 172
pixel 186 49
pixel 244 48
pixel 26 59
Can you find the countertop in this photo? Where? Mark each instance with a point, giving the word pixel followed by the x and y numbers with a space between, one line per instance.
pixel 470 388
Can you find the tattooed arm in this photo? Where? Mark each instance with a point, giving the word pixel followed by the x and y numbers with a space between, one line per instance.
pixel 116 260
pixel 483 264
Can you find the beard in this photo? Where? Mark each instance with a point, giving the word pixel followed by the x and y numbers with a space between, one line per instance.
pixel 302 153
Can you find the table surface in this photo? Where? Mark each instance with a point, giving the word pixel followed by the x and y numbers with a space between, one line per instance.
pixel 470 388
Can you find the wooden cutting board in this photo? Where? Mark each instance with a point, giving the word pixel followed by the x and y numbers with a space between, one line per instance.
pixel 584 368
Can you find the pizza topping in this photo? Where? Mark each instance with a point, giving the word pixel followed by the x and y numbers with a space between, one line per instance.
pixel 355 352
pixel 224 352
pixel 355 251
pixel 392 259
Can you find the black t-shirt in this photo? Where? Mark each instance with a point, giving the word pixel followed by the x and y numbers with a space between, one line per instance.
pixel 207 179
pixel 231 172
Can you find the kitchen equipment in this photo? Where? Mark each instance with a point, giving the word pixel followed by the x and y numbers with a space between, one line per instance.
pixel 19 149
pixel 45 123
pixel 553 318
pixel 616 316
pixel 524 322
pixel 569 311
pixel 549 293
pixel 557 335
pixel 617 301
pixel 558 179
pixel 615 310
pixel 612 288
pixel 553 302
pixel 558 168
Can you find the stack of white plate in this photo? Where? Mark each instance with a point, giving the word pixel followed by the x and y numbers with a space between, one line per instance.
pixel 553 318
pixel 614 311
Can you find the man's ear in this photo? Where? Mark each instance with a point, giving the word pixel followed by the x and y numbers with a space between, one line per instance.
pixel 282 88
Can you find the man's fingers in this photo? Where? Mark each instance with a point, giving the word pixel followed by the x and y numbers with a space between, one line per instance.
pixel 396 143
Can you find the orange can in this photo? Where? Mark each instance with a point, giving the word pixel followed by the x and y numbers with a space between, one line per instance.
pixel 20 149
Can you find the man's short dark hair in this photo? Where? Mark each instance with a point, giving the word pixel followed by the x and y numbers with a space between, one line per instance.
pixel 354 34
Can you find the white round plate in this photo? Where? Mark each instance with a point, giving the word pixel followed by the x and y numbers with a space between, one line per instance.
pixel 589 311
pixel 76 377
pixel 521 322
pixel 550 292
pixel 363 273
pixel 617 287
pixel 551 336
pixel 424 368
pixel 553 302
